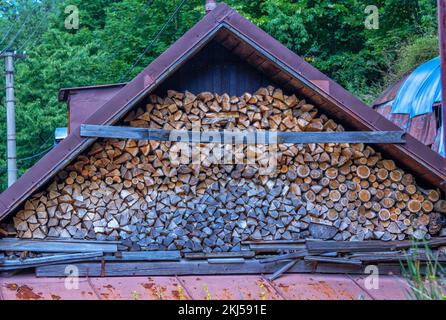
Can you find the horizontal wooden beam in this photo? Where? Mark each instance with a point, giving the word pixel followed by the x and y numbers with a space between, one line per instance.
pixel 48 260
pixel 240 137
pixel 146 256
pixel 196 267
pixel 13 244
pixel 321 246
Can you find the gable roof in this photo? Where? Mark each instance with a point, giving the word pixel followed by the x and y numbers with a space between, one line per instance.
pixel 252 44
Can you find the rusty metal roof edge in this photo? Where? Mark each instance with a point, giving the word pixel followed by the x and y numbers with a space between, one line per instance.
pixel 64 92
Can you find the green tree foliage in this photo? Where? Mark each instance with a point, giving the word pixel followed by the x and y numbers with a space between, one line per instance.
pixel 112 35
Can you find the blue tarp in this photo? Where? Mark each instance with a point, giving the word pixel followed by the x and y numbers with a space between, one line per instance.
pixel 420 91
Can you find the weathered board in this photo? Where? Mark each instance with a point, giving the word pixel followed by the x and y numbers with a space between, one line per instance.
pixel 203 268
pixel 146 256
pixel 319 259
pixel 282 270
pixel 226 260
pixel 13 244
pixel 241 137
pixel 219 255
pixel 48 260
pixel 317 246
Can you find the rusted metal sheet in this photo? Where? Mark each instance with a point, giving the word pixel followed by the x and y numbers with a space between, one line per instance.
pixel 83 102
pixel 401 120
pixel 422 127
pixel 229 288
pixel 320 287
pixel 413 154
pixel 387 288
pixel 252 287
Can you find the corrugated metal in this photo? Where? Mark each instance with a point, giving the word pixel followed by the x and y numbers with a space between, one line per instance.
pixel 270 56
pixel 422 127
pixel 246 287
pixel 420 91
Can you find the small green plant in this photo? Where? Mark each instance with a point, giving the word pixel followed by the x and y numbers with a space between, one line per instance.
pixel 206 290
pixel 425 280
pixel 159 292
pixel 180 292
pixel 263 291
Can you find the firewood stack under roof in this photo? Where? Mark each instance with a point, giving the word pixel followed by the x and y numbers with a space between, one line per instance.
pixel 131 190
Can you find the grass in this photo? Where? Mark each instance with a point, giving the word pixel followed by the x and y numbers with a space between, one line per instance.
pixel 426 281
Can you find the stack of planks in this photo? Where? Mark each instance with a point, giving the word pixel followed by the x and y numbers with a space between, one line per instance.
pixel 51 257
pixel 130 190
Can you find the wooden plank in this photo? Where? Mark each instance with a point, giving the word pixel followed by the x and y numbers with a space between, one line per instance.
pixel 319 259
pixel 202 268
pixel 146 256
pixel 275 247
pixel 55 246
pixel 282 270
pixel 48 260
pixel 294 255
pixel 189 267
pixel 91 256
pixel 318 246
pixel 342 137
pixel 368 258
pixel 212 255
pixel 69 240
pixel 433 243
pixel 249 242
pixel 225 260
pixel 242 137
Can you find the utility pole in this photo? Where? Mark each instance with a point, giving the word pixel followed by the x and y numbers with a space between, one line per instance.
pixel 10 114
pixel 442 40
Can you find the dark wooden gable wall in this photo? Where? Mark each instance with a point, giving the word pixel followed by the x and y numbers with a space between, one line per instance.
pixel 217 70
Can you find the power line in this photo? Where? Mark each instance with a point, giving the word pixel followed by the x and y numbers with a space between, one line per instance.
pixel 7 34
pixel 38 153
pixel 42 20
pixel 35 155
pixel 17 34
pixel 115 52
pixel 149 46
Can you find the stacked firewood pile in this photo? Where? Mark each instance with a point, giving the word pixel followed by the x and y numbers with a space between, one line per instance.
pixel 130 190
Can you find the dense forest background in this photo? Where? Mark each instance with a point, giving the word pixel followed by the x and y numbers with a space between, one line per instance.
pixel 113 35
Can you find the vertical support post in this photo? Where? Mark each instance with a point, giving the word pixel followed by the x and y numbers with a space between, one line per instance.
pixel 442 40
pixel 10 118
pixel 10 115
